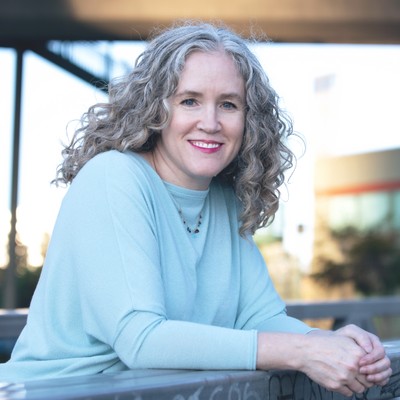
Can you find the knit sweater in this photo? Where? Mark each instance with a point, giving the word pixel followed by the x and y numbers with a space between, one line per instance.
pixel 125 285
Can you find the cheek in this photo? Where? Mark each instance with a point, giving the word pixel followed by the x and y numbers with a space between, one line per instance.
pixel 178 128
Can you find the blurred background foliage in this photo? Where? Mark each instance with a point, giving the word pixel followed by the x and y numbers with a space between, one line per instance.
pixel 27 276
pixel 370 260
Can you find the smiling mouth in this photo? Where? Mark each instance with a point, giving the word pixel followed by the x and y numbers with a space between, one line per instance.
pixel 206 145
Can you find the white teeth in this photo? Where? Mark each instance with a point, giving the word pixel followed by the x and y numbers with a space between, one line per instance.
pixel 206 145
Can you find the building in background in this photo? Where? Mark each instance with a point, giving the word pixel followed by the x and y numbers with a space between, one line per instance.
pixel 353 167
pixel 362 191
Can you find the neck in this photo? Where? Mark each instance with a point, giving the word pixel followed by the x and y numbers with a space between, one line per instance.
pixel 154 157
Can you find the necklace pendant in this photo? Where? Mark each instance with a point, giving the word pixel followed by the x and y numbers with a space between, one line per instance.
pixel 193 230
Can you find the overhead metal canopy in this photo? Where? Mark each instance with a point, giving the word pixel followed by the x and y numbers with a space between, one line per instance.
pixel 326 21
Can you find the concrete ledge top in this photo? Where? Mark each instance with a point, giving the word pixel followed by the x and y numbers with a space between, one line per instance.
pixel 194 385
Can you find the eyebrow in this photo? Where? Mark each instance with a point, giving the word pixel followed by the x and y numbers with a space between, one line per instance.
pixel 193 93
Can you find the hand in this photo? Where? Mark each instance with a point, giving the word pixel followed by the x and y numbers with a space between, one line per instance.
pixel 375 364
pixel 328 358
pixel 333 360
pixel 347 361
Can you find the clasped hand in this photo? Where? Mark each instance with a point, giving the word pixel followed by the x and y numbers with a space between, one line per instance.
pixel 348 360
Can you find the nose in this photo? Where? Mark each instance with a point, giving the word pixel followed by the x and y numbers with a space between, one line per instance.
pixel 209 120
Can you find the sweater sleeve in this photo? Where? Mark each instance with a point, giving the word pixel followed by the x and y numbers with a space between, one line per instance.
pixel 261 307
pixel 116 261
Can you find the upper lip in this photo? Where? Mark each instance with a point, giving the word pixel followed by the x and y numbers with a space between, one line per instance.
pixel 207 142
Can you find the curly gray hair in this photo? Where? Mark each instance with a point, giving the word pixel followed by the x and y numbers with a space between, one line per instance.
pixel 137 112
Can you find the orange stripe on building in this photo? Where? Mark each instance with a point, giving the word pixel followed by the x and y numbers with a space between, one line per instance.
pixel 358 189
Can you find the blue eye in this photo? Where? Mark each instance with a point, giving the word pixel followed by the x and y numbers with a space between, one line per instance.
pixel 189 102
pixel 228 105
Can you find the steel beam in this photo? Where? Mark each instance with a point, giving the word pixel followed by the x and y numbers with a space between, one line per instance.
pixel 9 300
pixel 329 21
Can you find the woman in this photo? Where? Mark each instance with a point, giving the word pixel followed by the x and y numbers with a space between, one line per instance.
pixel 151 263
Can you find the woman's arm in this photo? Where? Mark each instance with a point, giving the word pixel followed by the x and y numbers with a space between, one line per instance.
pixel 331 359
pixel 348 360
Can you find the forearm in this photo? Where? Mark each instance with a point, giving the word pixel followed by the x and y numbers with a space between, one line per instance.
pixel 280 351
pixel 184 345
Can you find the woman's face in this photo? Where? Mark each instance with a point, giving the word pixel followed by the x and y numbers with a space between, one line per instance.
pixel 207 122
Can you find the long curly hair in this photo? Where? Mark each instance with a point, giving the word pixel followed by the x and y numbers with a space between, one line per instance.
pixel 137 111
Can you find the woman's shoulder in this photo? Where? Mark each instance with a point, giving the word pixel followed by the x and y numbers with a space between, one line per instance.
pixel 116 157
pixel 113 178
pixel 115 172
pixel 114 163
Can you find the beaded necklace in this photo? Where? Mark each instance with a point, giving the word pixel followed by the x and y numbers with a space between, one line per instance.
pixel 192 230
pixel 195 229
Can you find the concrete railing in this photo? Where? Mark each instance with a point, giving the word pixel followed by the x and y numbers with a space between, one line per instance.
pixel 12 322
pixel 212 385
pixel 360 312
pixel 195 385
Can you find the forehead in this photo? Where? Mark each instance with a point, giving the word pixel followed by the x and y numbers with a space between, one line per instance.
pixel 215 69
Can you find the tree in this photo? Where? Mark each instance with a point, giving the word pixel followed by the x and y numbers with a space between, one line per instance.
pixel 371 260
pixel 26 277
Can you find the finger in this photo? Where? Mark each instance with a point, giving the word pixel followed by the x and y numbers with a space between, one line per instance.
pixel 361 337
pixel 372 358
pixel 380 378
pixel 377 353
pixel 346 391
pixel 378 366
pixel 383 383
pixel 366 340
pixel 356 387
pixel 363 380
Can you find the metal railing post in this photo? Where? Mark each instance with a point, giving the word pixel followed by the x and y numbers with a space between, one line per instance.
pixel 10 293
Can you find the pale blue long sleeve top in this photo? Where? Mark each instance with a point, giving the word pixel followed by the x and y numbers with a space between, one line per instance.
pixel 125 285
